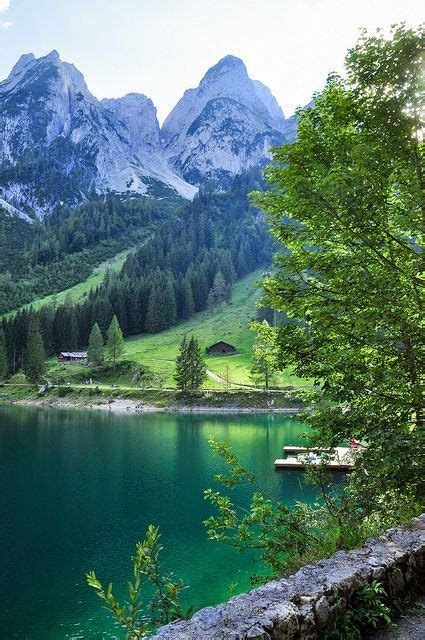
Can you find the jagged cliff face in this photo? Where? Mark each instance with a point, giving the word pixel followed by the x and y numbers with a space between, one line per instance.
pixel 138 113
pixel 52 128
pixel 225 125
pixel 58 143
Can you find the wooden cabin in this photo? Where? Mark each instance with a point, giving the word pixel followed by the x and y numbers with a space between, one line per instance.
pixel 79 357
pixel 221 349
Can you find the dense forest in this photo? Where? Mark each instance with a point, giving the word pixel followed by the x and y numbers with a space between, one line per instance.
pixel 188 264
pixel 61 250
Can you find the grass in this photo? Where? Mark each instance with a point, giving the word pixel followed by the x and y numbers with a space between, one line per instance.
pixel 230 323
pixel 83 396
pixel 149 360
pixel 80 290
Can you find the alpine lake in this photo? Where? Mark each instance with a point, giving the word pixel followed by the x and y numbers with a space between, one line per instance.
pixel 79 487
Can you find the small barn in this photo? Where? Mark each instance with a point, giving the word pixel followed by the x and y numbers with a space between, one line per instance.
pixel 221 349
pixel 72 356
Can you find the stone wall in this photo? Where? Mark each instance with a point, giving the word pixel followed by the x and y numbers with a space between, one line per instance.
pixel 302 605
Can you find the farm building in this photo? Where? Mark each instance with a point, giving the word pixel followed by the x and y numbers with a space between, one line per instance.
pixel 72 356
pixel 221 349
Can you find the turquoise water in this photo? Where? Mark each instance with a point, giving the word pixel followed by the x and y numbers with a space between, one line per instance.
pixel 79 488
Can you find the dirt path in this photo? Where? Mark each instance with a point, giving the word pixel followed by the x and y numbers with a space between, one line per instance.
pixel 411 626
pixel 217 378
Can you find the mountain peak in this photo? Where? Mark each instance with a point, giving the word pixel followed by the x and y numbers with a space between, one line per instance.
pixel 129 98
pixel 53 56
pixel 228 79
pixel 138 113
pixel 229 65
pixel 226 124
pixel 231 61
pixel 23 61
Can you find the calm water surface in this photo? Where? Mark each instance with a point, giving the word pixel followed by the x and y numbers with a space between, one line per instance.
pixel 79 488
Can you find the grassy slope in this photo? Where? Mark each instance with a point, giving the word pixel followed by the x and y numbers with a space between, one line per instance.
pixel 78 291
pixel 230 323
pixel 158 351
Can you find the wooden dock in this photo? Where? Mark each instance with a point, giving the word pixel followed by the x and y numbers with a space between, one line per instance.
pixel 336 459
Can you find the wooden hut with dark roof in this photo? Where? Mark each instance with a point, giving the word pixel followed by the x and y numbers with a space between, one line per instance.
pixel 221 349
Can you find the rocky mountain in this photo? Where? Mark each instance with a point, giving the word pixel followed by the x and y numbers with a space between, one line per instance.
pixel 58 143
pixel 138 113
pixel 225 125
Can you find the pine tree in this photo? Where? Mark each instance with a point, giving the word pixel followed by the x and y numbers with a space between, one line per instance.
pixel 95 350
pixel 153 322
pixel 219 292
pixel 196 365
pixel 35 357
pixel 181 375
pixel 161 313
pixel 188 305
pixel 46 317
pixel 169 303
pixel 65 326
pixel 71 329
pixel 115 341
pixel 4 365
pixel 211 300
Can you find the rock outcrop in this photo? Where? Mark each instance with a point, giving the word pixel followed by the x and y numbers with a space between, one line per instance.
pixel 304 604
pixel 222 127
pixel 60 144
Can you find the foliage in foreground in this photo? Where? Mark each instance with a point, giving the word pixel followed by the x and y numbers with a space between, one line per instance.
pixel 348 201
pixel 367 610
pixel 137 617
pixel 284 537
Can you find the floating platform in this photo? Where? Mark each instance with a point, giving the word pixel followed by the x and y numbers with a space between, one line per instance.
pixel 336 459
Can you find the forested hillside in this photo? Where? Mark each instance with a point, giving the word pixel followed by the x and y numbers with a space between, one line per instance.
pixel 188 264
pixel 61 250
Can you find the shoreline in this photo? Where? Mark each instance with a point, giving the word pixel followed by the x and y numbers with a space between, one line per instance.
pixel 155 400
pixel 136 407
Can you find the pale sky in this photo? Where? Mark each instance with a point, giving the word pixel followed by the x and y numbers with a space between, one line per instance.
pixel 162 47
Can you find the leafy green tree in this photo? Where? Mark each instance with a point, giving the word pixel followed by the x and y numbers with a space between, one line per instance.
pixel 115 341
pixel 35 357
pixel 265 355
pixel 287 537
pixel 348 199
pixel 4 364
pixel 136 617
pixel 95 353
